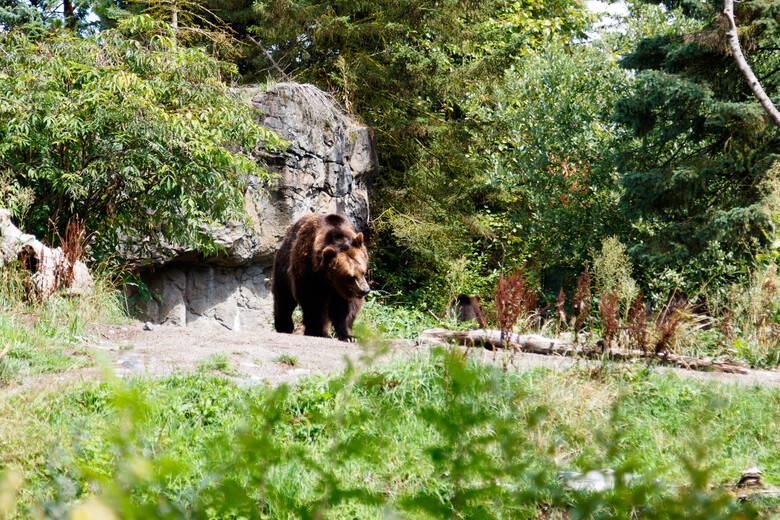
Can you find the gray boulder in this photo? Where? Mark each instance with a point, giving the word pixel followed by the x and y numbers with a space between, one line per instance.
pixel 325 168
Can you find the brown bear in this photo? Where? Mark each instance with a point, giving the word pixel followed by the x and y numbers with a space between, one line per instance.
pixel 466 308
pixel 320 266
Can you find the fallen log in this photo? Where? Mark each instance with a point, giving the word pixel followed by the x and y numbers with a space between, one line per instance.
pixel 537 344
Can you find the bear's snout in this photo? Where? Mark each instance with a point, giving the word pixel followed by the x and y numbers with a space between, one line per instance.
pixel 362 287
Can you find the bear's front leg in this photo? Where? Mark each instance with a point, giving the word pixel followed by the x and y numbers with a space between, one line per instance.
pixel 284 305
pixel 342 313
pixel 315 319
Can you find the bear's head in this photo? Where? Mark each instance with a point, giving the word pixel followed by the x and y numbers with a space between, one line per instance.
pixel 346 270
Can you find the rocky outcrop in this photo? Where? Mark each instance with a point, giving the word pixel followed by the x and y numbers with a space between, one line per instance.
pixel 325 168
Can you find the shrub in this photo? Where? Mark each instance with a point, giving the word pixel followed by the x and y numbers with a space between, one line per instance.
pixel 128 130
pixel 612 271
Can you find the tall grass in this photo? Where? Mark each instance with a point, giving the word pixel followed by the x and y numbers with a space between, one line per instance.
pixel 46 336
pixel 423 438
pixel 750 317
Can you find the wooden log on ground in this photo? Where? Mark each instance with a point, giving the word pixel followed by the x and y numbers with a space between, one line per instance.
pixel 537 344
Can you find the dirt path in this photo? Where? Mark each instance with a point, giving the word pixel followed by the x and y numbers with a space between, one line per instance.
pixel 255 357
pixel 261 357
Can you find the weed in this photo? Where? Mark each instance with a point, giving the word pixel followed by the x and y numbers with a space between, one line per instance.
pixel 581 303
pixel 286 359
pixel 612 271
pixel 73 246
pixel 610 327
pixel 219 363
pixel 668 324
pixel 513 298
pixel 637 325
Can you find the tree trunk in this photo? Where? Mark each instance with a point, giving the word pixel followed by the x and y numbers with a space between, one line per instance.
pixel 68 12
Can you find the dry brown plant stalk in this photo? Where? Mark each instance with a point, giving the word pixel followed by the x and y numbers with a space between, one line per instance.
pixel 607 312
pixel 724 324
pixel 637 324
pixel 513 297
pixel 668 324
pixel 581 303
pixel 73 246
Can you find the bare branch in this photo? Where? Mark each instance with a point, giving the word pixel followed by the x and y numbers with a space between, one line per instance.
pixel 744 67
pixel 268 54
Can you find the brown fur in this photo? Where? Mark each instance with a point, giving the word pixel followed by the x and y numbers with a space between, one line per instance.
pixel 467 309
pixel 320 266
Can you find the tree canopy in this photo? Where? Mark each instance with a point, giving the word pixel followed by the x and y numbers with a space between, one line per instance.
pixel 508 131
pixel 419 73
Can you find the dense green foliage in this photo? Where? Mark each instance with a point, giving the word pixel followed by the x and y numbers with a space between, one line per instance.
pixel 696 172
pixel 505 137
pixel 506 133
pixel 128 130
pixel 421 439
pixel 549 156
pixel 419 73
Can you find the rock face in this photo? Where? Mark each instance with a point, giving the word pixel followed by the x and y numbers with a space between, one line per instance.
pixel 325 168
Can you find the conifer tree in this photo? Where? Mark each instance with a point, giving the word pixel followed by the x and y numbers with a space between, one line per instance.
pixel 694 172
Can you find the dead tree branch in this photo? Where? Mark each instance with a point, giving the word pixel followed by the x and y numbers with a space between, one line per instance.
pixel 270 58
pixel 537 344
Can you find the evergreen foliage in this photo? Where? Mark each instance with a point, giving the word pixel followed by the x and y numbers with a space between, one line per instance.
pixel 45 13
pixel 702 146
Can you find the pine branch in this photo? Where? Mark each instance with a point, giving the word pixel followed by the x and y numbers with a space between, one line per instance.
pixel 744 67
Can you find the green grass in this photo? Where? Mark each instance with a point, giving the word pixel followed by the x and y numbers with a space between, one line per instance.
pixel 398 322
pixel 47 337
pixel 34 350
pixel 219 363
pixel 406 433
pixel 286 359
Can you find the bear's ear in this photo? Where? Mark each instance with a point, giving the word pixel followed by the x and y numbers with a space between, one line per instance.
pixel 328 254
pixel 358 240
